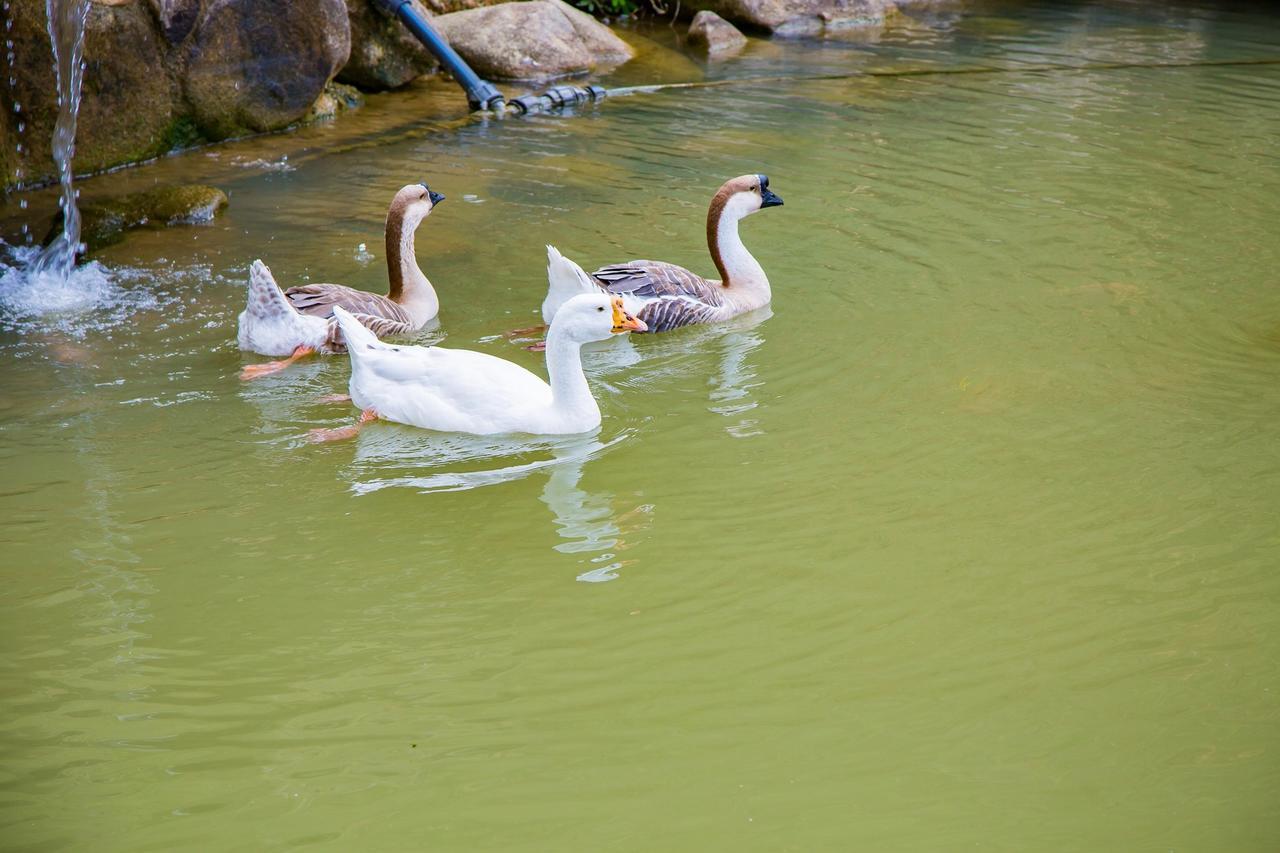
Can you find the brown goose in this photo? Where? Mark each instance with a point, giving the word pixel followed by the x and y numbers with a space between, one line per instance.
pixel 299 321
pixel 666 296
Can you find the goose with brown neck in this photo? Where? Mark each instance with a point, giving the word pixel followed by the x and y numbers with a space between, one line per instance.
pixel 299 321
pixel 666 296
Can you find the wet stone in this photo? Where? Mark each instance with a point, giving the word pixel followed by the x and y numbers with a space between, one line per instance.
pixel 105 221
pixel 712 33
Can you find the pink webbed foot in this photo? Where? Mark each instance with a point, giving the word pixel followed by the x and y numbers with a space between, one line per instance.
pixel 320 436
pixel 256 371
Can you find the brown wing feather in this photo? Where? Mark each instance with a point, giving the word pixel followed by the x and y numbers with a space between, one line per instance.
pixel 679 297
pixel 380 326
pixel 376 312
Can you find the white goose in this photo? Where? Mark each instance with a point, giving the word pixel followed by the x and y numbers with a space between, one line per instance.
pixel 666 296
pixel 299 321
pixel 462 391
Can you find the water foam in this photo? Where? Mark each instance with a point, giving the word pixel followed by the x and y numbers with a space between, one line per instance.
pixel 89 297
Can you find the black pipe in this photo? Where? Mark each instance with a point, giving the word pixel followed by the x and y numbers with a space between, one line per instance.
pixel 560 96
pixel 481 94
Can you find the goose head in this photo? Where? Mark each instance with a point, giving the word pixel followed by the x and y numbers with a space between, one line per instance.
pixel 743 196
pixel 411 205
pixel 594 317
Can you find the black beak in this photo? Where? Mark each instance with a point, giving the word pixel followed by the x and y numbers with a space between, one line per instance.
pixel 435 197
pixel 768 199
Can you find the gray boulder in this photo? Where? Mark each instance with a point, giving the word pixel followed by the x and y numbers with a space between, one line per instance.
pixel 801 17
pixel 255 66
pixel 531 40
pixel 130 101
pixel 384 54
pixel 714 34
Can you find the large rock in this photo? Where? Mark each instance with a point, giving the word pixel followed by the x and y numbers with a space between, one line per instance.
pixel 714 34
pixel 531 41
pixel 129 107
pixel 444 7
pixel 176 17
pixel 384 54
pixel 801 17
pixel 605 47
pixel 104 222
pixel 130 104
pixel 255 66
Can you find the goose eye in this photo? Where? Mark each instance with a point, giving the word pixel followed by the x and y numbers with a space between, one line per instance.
pixel 600 308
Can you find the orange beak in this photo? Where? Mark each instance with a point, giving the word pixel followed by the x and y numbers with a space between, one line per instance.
pixel 624 322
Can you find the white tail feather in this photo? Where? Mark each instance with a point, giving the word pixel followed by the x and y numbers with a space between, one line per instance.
pixel 565 280
pixel 269 324
pixel 266 299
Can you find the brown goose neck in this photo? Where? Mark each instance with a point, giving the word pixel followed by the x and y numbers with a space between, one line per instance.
pixel 395 263
pixel 714 214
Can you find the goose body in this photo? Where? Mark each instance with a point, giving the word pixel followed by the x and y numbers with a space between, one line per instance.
pixel 666 296
pixel 299 320
pixel 462 391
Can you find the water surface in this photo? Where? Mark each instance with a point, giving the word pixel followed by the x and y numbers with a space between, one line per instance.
pixel 969 542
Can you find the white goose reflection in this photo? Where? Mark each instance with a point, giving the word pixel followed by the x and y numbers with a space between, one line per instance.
pixel 586 520
pixel 733 387
pixel 733 380
pixel 383 455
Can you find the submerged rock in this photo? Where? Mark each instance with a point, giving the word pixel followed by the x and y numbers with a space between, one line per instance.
pixel 801 17
pixel 714 34
pixel 103 222
pixel 254 66
pixel 336 98
pixel 531 40
pixel 384 54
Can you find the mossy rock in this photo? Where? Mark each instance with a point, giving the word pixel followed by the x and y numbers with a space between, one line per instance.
pixel 336 98
pixel 104 222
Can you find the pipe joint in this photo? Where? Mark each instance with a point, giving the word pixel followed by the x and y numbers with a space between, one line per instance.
pixel 556 98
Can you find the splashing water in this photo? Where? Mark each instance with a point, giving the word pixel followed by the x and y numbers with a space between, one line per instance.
pixel 35 282
pixel 66 32
pixel 49 299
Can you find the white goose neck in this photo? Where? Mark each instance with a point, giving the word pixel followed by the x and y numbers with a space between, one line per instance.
pixel 570 394
pixel 740 272
pixel 409 285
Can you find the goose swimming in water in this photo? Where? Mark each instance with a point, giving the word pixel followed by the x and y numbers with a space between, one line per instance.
pixel 455 390
pixel 666 296
pixel 299 321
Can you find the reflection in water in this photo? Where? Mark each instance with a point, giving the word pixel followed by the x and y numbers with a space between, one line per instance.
pixel 404 457
pixel 733 380
pixel 393 456
pixel 732 386
pixel 120 592
pixel 586 520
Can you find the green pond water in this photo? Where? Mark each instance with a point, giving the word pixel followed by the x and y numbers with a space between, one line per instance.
pixel 971 542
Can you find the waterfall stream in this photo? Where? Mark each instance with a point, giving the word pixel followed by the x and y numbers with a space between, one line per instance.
pixel 66 33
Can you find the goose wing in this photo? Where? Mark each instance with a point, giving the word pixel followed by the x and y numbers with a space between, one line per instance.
pixel 383 317
pixel 319 299
pixel 672 295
